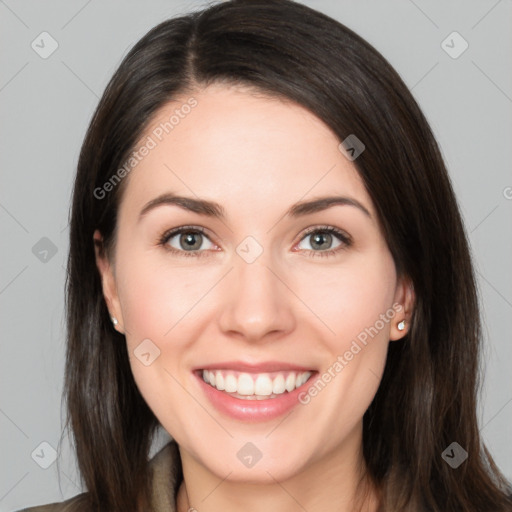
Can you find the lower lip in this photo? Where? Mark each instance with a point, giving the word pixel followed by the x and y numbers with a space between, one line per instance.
pixel 252 410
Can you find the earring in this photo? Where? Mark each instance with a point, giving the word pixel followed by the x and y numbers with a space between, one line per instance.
pixel 401 325
pixel 114 320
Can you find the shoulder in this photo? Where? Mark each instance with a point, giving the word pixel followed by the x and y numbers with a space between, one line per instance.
pixel 79 503
pixel 165 467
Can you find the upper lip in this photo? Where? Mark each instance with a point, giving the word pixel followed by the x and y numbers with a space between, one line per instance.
pixel 263 367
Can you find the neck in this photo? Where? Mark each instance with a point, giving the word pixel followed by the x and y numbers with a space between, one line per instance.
pixel 333 483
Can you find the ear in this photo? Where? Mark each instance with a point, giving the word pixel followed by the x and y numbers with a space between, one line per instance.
pixel 405 296
pixel 108 281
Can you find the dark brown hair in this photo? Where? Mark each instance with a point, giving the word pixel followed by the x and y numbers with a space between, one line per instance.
pixel 428 395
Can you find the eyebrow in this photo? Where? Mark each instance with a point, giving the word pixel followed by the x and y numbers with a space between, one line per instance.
pixel 215 210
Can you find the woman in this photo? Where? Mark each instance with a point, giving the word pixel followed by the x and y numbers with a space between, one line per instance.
pixel 267 259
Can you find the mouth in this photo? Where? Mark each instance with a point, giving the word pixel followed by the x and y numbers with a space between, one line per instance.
pixel 253 393
pixel 255 386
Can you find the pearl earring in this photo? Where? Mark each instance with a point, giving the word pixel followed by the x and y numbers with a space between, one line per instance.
pixel 114 320
pixel 401 325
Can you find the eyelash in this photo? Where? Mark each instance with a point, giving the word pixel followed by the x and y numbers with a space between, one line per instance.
pixel 343 238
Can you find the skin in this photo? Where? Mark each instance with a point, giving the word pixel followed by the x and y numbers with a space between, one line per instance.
pixel 256 157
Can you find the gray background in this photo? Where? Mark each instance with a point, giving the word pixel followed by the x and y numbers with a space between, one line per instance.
pixel 46 105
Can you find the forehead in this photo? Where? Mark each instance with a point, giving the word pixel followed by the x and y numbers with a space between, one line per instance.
pixel 237 147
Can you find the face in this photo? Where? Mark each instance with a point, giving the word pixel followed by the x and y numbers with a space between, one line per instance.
pixel 259 292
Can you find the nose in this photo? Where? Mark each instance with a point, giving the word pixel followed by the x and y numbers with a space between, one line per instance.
pixel 258 305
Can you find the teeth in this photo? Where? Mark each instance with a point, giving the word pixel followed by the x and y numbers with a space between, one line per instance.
pixel 255 386
pixel 219 381
pixel 231 384
pixel 263 385
pixel 278 385
pixel 290 382
pixel 245 385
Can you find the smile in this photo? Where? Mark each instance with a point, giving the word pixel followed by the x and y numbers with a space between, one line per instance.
pixel 253 392
pixel 255 386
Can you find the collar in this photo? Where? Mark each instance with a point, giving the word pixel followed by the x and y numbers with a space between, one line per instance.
pixel 166 476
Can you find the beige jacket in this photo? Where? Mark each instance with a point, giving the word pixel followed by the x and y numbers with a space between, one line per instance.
pixel 163 467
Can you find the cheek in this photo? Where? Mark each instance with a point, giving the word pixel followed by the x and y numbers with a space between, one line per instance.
pixel 350 298
pixel 157 304
pixel 359 309
pixel 163 313
pixel 158 298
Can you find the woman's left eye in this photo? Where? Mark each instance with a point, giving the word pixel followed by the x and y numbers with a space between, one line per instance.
pixel 190 239
pixel 322 236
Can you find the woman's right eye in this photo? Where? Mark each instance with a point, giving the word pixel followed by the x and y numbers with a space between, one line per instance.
pixel 185 241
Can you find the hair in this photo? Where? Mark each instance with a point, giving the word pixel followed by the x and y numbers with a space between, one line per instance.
pixel 427 398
